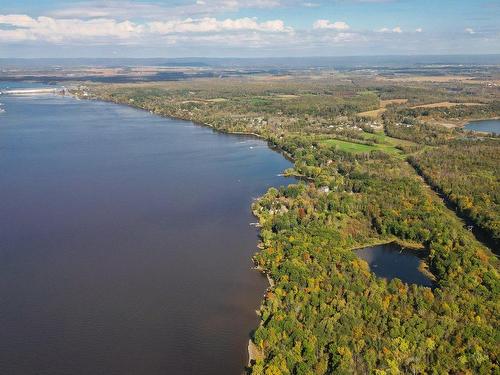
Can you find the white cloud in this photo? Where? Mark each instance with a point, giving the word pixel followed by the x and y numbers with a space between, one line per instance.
pixel 341 38
pixel 129 9
pixel 326 24
pixel 57 30
pixel 186 27
pixel 213 25
pixel 13 36
pixel 397 30
pixel 19 20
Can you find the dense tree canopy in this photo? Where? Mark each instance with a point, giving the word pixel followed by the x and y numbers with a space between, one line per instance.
pixel 468 172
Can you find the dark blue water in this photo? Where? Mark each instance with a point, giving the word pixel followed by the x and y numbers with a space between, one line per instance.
pixel 488 126
pixel 9 85
pixel 125 245
pixel 391 261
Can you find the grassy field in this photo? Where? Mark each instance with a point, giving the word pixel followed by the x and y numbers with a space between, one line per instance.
pixel 383 138
pixel 356 148
pixel 372 114
pixel 383 106
pixel 384 143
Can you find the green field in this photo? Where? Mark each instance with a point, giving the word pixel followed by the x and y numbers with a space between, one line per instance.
pixel 349 146
pixel 386 144
pixel 383 138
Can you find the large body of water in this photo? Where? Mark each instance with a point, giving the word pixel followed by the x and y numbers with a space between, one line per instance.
pixel 125 245
pixel 488 126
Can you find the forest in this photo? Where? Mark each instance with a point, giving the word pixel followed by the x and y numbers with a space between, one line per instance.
pixel 468 172
pixel 326 312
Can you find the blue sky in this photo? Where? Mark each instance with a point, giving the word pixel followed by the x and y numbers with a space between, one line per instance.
pixel 174 28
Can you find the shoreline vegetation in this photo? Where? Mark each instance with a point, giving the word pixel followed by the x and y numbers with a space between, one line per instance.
pixel 324 311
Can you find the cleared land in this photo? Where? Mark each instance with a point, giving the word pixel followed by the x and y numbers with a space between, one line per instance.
pixel 445 105
pixel 383 107
pixel 384 143
pixel 349 146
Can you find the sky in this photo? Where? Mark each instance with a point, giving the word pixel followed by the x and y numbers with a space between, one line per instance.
pixel 247 28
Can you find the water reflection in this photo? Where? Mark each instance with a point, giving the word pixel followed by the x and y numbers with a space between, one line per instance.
pixel 488 126
pixel 392 261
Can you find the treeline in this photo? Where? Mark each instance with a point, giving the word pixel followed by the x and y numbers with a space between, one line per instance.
pixel 415 95
pixel 468 172
pixel 483 111
pixel 238 111
pixel 419 132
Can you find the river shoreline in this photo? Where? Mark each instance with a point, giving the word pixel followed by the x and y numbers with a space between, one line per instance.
pixel 260 162
pixel 461 124
pixel 271 145
pixel 253 353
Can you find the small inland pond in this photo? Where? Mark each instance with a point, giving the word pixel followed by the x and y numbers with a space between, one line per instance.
pixel 391 261
pixel 487 126
pixel 125 244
